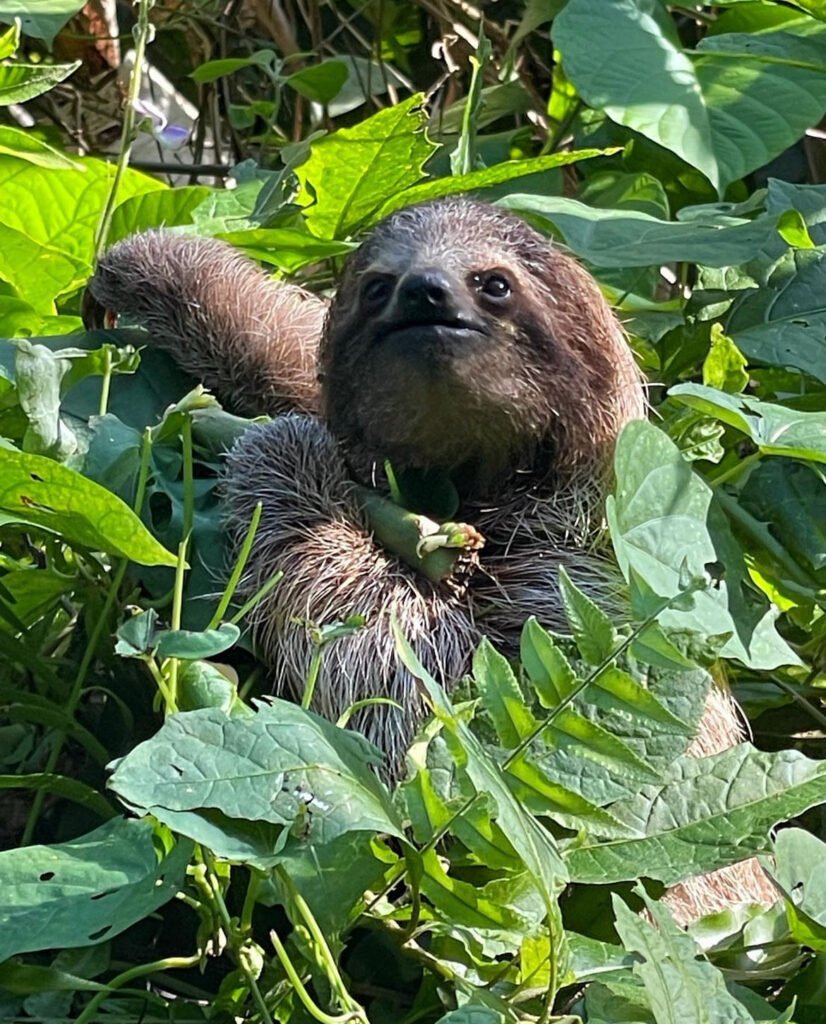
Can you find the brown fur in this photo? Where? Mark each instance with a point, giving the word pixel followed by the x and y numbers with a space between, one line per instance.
pixel 520 398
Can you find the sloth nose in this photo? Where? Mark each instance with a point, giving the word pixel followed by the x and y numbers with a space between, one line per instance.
pixel 427 295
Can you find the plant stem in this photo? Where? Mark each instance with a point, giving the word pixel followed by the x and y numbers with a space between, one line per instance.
pixel 189 482
pixel 234 936
pixel 90 651
pixel 89 1014
pixel 105 382
pixel 237 569
pixel 142 32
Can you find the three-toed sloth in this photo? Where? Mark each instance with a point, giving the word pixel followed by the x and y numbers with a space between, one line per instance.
pixel 461 344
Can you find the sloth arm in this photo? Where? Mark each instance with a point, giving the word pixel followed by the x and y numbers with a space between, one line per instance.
pixel 312 530
pixel 252 340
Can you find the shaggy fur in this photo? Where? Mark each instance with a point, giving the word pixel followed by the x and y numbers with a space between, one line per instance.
pixel 459 341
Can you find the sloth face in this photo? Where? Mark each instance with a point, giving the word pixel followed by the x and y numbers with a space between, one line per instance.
pixel 459 339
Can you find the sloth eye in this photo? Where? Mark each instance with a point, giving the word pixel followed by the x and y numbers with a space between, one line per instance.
pixel 493 286
pixel 376 290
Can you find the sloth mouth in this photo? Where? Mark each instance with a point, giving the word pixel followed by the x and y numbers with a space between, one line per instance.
pixel 454 329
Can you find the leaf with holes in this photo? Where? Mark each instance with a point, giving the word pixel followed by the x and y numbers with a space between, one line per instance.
pixel 283 767
pixel 87 890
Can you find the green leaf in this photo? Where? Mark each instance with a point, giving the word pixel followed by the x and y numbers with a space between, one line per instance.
pixel 285 248
pixel 783 322
pixel 534 845
pixel 501 695
pixel 724 367
pixel 164 208
pixel 548 668
pixel 9 41
pixel 37 491
pixel 630 238
pixel 192 645
pixel 791 498
pixel 320 82
pixel 351 173
pixel 334 877
pixel 37 272
pixel 679 984
pixel 80 892
pixel 473 1015
pixel 591 627
pixel 22 82
pixel 61 209
pixel 485 177
pixel 214 69
pixel 713 811
pixel 40 18
pixel 775 429
pixel 694 105
pixel 285 766
pixel 69 789
pixel 25 146
pixel 665 525
pixel 463 903
pixel 792 229
pixel 800 871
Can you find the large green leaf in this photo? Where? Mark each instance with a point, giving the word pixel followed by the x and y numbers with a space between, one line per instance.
pixel 284 767
pixel 713 811
pixel 775 429
pixel 791 498
pixel 61 209
pixel 353 172
pixel 38 491
pixel 25 146
pixel 729 108
pixel 666 525
pixel 485 177
pixel 630 238
pixel 40 18
pixel 87 890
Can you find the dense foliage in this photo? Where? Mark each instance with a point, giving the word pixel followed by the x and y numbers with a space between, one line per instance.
pixel 179 845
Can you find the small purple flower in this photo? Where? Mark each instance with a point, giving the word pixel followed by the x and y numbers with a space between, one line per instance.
pixel 170 136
